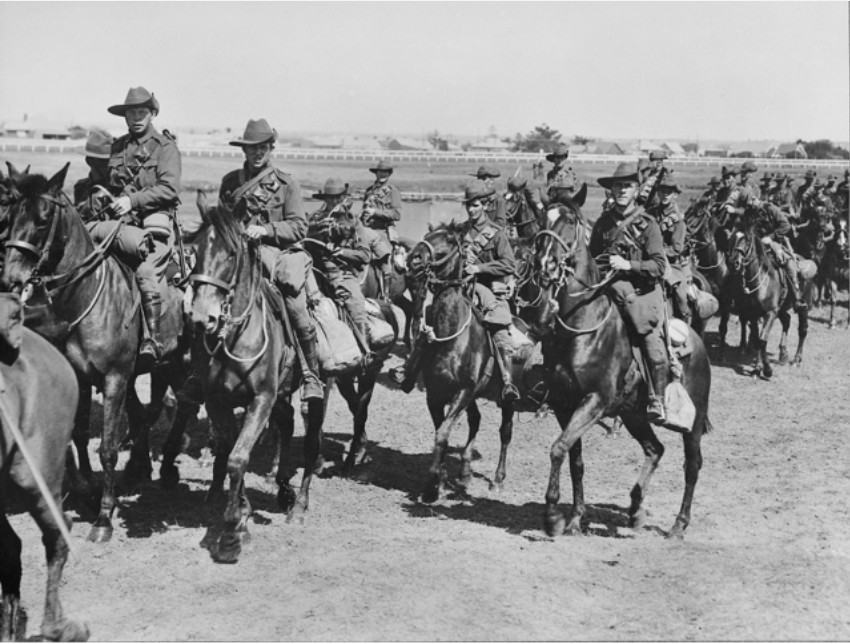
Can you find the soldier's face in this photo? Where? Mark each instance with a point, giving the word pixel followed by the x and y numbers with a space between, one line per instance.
pixel 382 175
pixel 475 210
pixel 624 192
pixel 257 156
pixel 668 197
pixel 138 119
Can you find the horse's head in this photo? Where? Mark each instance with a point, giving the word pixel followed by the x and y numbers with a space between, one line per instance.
pixel 221 251
pixel 745 247
pixel 440 254
pixel 35 205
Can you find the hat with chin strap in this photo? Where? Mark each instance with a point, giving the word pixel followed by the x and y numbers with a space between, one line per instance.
pixel 98 145
pixel 136 97
pixel 256 132
pixel 624 172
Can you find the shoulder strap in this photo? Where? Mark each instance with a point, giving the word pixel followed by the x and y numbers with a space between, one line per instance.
pixel 242 190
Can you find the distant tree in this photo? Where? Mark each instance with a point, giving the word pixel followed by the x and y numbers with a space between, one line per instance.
pixel 438 142
pixel 541 137
pixel 691 147
pixel 824 149
pixel 582 140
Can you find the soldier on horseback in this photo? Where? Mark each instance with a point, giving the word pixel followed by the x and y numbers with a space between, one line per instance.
pixel 805 188
pixel 347 252
pixel 783 197
pixel 519 198
pixel 656 161
pixel 674 233
pixel 494 205
pixel 144 176
pixel 97 151
pixel 268 201
pixel 632 242
pixel 708 195
pixel 381 209
pixel 560 170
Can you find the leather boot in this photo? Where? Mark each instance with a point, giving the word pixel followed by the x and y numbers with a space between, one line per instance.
pixel 406 375
pixel 655 412
pixel 312 388
pixel 504 348
pixel 151 348
pixel 794 284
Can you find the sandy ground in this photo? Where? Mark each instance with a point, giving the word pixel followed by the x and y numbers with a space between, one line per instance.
pixel 767 555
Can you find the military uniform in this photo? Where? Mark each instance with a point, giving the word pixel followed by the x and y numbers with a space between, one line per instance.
pixel 674 234
pixel 772 226
pixel 385 200
pixel 344 265
pixel 522 197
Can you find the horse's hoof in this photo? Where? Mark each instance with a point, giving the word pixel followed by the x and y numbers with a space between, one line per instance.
pixel 555 524
pixel 573 528
pixel 431 494
pixel 136 472
pixel 67 631
pixel 100 534
pixel 169 477
pixel 465 481
pixel 296 516
pixel 229 548
pixel 286 497
pixel 497 487
pixel 638 520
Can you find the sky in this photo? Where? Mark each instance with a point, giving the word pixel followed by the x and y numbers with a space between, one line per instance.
pixel 684 70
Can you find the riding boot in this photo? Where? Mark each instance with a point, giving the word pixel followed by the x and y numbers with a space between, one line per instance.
pixel 504 348
pixel 405 376
pixel 655 354
pixel 312 388
pixel 794 284
pixel 387 275
pixel 151 348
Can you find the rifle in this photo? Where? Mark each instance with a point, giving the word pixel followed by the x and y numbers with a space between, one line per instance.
pixel 654 188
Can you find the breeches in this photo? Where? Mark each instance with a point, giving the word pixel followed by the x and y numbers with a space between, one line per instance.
pixel 380 246
pixel 288 270
pixel 643 310
pixel 496 310
pixel 347 290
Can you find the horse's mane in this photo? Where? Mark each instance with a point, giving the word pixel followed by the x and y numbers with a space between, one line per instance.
pixel 226 226
pixel 31 186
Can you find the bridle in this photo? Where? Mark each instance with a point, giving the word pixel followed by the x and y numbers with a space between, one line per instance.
pixel 227 322
pixel 742 256
pixel 42 255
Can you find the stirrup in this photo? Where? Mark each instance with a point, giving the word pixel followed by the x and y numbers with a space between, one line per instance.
pixel 655 413
pixel 510 393
pixel 312 387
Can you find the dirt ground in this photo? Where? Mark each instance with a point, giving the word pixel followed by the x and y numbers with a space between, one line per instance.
pixel 767 555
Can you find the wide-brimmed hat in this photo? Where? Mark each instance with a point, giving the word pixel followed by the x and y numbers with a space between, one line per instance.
pixel 477 190
pixel 256 132
pixel 334 187
pixel 767 178
pixel 382 166
pixel 789 179
pixel 643 164
pixel 487 171
pixel 749 166
pixel 669 183
pixel 624 172
pixel 830 179
pixel 657 155
pixel 818 183
pixel 562 150
pixel 98 145
pixel 136 97
pixel 729 171
pixel 517 183
pixel 810 174
pixel 713 181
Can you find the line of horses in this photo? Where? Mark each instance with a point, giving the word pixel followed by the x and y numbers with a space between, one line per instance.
pixel 236 336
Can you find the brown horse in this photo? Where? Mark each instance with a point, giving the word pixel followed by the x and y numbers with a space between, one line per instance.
pixel 96 302
pixel 358 385
pixel 593 370
pixel 834 270
pixel 396 290
pixel 245 356
pixel 40 396
pixel 458 364
pixel 762 294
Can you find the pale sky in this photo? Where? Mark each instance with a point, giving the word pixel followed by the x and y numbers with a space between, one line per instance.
pixel 736 71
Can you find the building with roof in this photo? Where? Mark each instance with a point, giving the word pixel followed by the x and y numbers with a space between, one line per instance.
pixel 606 147
pixel 407 144
pixel 35 129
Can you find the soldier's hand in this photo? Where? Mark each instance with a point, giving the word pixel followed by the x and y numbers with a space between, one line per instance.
pixel 121 206
pixel 254 232
pixel 619 263
pixel 471 269
pixel 766 240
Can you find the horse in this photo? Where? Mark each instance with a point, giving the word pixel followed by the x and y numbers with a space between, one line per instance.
pixel 396 290
pixel 245 356
pixel 98 328
pixel 593 370
pixel 834 269
pixel 38 402
pixel 356 386
pixel 457 367
pixel 761 294
pixel 708 264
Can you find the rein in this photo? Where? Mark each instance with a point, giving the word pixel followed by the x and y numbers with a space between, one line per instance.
pixel 748 257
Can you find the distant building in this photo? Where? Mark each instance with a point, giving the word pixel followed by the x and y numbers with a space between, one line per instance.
pixel 789 151
pixel 490 144
pixel 407 144
pixel 750 149
pixel 35 129
pixel 673 149
pixel 361 143
pixel 716 151
pixel 606 147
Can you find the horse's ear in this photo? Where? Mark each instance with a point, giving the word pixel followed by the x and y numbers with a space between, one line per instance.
pixel 201 203
pixel 54 186
pixel 581 196
pixel 431 227
pixel 14 175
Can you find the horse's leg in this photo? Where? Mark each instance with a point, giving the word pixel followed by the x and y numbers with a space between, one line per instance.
pixel 762 363
pixel 224 428
pixel 724 325
pixel 785 321
pixel 12 615
pixel 169 474
pixel 473 419
pixel 802 332
pixel 237 511
pixel 312 446
pixel 283 421
pixel 435 483
pixel 693 464
pixel 357 452
pixel 573 426
pixel 653 450
pixel 114 421
pixel 506 431
pixel 80 435
pixel 139 467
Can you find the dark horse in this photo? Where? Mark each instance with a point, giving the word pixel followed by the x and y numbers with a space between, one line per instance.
pixel 96 301
pixel 358 385
pixel 593 370
pixel 709 248
pixel 762 294
pixel 244 354
pixel 834 270
pixel 458 364
pixel 39 397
